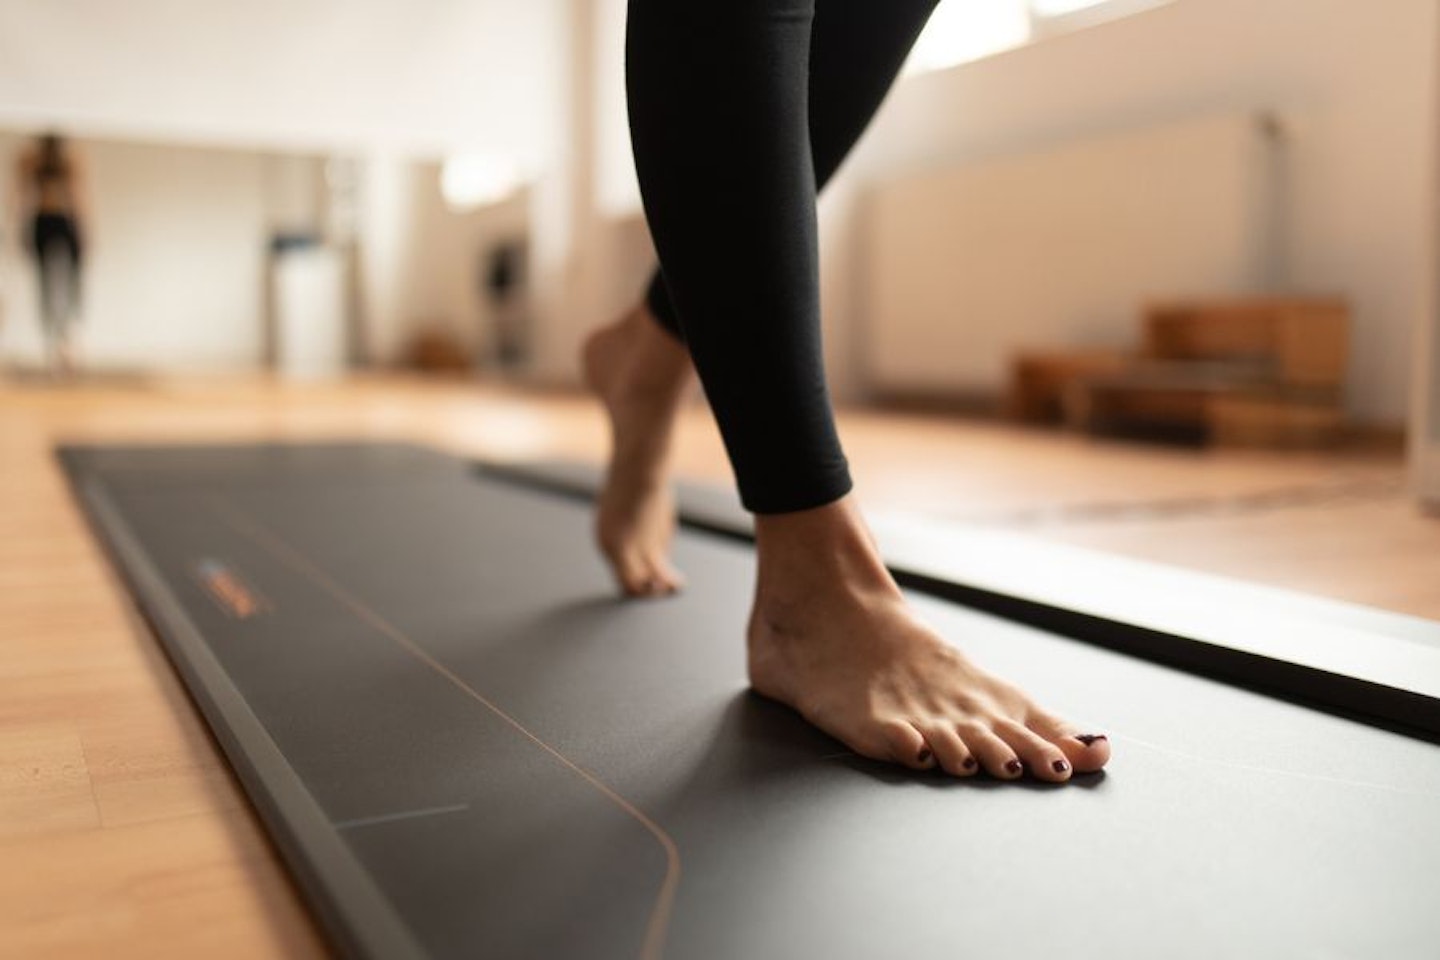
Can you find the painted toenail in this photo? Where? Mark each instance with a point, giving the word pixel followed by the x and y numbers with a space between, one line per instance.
pixel 1059 766
pixel 1012 766
pixel 1089 738
pixel 969 763
pixel 925 755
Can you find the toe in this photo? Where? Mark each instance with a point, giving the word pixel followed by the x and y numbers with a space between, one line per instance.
pixel 993 753
pixel 950 751
pixel 907 745
pixel 1045 760
pixel 1086 751
pixel 668 579
pixel 634 575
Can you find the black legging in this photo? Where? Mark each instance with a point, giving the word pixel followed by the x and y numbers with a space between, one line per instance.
pixel 55 244
pixel 740 110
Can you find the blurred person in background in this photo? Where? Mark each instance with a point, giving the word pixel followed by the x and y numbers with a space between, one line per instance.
pixel 49 184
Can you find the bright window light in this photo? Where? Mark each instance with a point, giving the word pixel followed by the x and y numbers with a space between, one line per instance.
pixel 470 180
pixel 964 30
pixel 1057 8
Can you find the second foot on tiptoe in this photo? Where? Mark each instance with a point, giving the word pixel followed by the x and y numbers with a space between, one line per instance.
pixel 832 636
pixel 641 374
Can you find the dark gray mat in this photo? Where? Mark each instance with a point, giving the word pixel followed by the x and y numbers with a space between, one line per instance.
pixel 465 747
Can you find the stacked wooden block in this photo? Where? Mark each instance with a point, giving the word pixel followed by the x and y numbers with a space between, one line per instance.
pixel 1259 371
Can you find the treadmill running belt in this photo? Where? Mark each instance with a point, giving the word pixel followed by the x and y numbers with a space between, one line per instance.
pixel 466 746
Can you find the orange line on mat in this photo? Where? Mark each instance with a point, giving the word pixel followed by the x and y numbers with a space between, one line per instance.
pixel 660 914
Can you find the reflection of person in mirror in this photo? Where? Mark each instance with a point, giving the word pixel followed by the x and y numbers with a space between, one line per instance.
pixel 502 284
pixel 50 184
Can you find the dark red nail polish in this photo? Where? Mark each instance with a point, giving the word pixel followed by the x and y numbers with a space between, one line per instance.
pixel 1012 766
pixel 925 755
pixel 1060 766
pixel 969 763
pixel 1089 738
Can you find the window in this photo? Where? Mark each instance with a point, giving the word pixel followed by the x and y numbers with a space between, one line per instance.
pixel 963 30
pixel 1056 8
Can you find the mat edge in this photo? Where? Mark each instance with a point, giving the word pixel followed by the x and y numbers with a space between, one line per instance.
pixel 359 919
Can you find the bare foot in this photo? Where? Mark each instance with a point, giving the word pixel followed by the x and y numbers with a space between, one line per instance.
pixel 832 636
pixel 641 373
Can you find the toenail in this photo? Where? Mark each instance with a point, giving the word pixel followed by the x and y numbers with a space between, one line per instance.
pixel 1059 766
pixel 925 755
pixel 1012 766
pixel 1089 738
pixel 969 763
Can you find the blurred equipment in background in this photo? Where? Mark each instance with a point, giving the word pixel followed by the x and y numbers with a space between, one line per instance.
pixel 312 327
pixel 1261 371
pixel 434 348
pixel 50 185
pixel 1039 380
pixel 504 283
pixel 309 284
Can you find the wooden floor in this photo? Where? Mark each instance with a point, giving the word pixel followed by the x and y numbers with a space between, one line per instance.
pixel 121 831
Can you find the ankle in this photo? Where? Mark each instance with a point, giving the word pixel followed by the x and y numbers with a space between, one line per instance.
pixel 661 362
pixel 824 550
pixel 837 525
pixel 633 360
pixel 641 458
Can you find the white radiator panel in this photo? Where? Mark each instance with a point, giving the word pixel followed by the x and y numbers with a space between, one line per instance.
pixel 1060 248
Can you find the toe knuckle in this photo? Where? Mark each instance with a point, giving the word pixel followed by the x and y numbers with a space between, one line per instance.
pixel 1006 726
pixel 971 730
pixel 898 730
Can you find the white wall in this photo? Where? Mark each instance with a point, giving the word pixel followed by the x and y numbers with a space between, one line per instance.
pixel 174 256
pixel 1171 210
pixel 311 75
pixel 1425 388
pixel 595 249
pixel 1353 81
pixel 421 263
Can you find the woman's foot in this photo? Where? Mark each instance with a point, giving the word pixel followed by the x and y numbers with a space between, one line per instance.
pixel 832 636
pixel 641 373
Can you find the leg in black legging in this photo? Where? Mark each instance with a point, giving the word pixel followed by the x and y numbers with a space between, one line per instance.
pixel 55 245
pixel 776 77
pixel 857 48
pixel 721 121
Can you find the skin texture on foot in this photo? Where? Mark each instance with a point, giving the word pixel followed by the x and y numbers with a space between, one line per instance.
pixel 832 636
pixel 641 375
